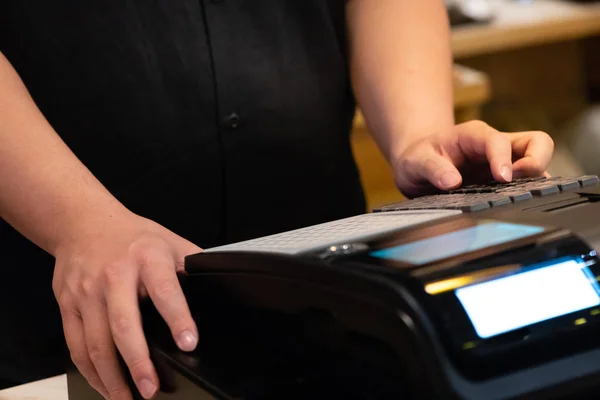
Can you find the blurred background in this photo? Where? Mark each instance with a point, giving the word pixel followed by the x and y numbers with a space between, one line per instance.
pixel 519 65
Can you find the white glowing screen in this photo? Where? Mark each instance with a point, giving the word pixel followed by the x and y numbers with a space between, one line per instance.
pixel 516 301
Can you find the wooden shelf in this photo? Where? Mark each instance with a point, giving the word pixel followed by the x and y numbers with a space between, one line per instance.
pixel 518 25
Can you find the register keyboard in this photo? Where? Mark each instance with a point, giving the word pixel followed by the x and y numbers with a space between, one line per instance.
pixel 475 198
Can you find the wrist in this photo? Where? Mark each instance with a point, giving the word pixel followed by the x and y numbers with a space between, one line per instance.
pixel 84 220
pixel 396 132
pixel 400 143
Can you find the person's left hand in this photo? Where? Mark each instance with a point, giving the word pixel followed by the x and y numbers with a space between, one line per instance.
pixel 469 153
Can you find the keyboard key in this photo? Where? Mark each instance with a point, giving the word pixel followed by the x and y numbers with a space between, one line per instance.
pixel 543 190
pixel 475 189
pixel 568 185
pixel 500 201
pixel 588 180
pixel 536 179
pixel 518 197
pixel 474 207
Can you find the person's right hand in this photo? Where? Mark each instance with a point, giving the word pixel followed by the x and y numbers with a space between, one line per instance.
pixel 470 153
pixel 98 279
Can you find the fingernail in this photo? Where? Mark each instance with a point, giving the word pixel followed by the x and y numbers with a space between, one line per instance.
pixel 450 179
pixel 147 388
pixel 506 173
pixel 187 341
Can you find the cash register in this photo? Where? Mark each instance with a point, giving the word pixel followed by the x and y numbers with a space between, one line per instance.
pixel 487 292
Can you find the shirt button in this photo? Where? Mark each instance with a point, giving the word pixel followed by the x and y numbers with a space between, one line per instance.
pixel 233 120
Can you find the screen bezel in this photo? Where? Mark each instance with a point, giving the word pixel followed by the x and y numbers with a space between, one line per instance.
pixel 441 228
pixel 497 354
pixel 525 270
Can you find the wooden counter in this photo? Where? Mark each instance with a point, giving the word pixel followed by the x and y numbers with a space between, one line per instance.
pixel 47 389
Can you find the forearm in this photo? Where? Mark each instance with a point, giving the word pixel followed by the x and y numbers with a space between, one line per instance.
pixel 45 191
pixel 401 67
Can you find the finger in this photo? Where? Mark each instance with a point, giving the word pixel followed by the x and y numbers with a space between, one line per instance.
pixel 160 279
pixel 472 140
pixel 102 352
pixel 75 338
pixel 499 155
pixel 536 150
pixel 480 141
pixel 127 332
pixel 528 167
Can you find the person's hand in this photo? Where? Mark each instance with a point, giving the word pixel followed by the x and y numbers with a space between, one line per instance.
pixel 470 153
pixel 97 282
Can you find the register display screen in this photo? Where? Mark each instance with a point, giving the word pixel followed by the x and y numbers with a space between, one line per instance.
pixel 457 242
pixel 537 295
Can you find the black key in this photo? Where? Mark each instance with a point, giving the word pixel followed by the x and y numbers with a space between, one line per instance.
pixel 512 189
pixel 470 202
pixel 530 179
pixel 493 183
pixel 517 197
pixel 544 190
pixel 495 199
pixel 472 189
pixel 567 185
pixel 484 205
pixel 516 182
pixel 588 180
pixel 500 201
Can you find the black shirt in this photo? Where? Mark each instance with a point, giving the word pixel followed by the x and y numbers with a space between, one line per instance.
pixel 222 120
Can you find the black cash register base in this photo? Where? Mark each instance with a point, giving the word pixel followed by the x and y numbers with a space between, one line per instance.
pixel 495 303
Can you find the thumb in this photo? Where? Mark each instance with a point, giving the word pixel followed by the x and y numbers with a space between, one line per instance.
pixel 430 166
pixel 441 172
